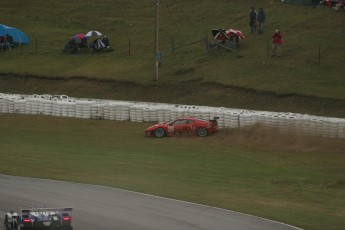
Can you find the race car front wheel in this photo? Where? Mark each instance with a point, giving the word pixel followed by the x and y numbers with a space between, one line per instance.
pixel 159 132
pixel 202 132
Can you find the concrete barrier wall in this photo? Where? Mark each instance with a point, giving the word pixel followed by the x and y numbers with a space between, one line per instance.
pixel 64 106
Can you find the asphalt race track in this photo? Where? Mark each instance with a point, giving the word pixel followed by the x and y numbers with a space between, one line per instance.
pixel 97 207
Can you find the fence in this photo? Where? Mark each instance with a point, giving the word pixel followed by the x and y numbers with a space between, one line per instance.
pixel 64 106
pixel 203 41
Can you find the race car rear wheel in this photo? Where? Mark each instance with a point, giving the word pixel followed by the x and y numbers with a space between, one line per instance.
pixel 202 132
pixel 159 132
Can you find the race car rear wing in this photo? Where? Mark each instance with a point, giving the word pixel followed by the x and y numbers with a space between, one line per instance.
pixel 214 120
pixel 60 209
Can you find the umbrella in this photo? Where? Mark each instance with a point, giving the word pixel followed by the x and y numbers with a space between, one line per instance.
pixel 93 33
pixel 230 32
pixel 78 37
pixel 18 36
pixel 220 35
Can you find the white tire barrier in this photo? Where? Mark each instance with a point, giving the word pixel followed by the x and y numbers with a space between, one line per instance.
pixel 341 128
pixel 246 119
pixel 326 124
pixel 19 106
pixel 62 105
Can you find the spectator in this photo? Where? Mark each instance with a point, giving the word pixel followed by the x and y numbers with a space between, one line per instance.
pixel 252 19
pixel 2 43
pixel 9 40
pixel 340 5
pixel 234 40
pixel 333 3
pixel 6 42
pixel 261 20
pixel 315 3
pixel 277 41
pixel 106 42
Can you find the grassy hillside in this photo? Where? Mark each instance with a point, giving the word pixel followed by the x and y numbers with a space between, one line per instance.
pixel 304 29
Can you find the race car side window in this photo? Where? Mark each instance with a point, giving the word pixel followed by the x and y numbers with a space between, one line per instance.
pixel 183 122
pixel 177 122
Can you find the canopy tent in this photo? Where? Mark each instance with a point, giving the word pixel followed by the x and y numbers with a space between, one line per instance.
pixel 18 36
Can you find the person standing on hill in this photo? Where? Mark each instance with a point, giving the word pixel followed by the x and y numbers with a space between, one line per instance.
pixel 277 41
pixel 261 20
pixel 252 19
pixel 315 3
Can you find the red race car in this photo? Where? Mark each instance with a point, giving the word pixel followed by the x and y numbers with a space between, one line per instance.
pixel 199 127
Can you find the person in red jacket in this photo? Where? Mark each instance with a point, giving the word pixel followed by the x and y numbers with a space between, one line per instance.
pixel 277 41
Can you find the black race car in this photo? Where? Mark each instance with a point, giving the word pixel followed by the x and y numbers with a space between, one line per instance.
pixel 39 218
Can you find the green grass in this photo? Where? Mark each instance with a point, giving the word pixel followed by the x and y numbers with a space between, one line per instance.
pixel 298 71
pixel 295 180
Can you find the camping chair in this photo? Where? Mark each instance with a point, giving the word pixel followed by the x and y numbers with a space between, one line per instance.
pixel 5 45
pixel 70 47
pixel 106 42
pixel 97 45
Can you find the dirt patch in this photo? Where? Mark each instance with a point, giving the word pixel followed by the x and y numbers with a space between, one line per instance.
pixel 196 92
pixel 271 138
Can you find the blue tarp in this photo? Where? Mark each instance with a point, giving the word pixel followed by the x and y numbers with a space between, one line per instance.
pixel 18 36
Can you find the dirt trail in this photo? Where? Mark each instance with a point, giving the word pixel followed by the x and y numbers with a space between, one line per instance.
pixel 262 137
